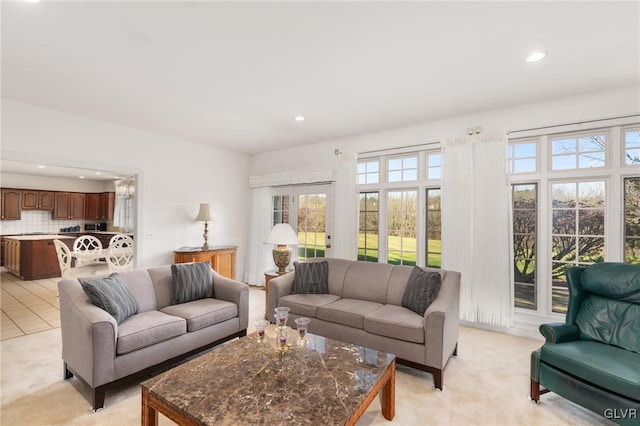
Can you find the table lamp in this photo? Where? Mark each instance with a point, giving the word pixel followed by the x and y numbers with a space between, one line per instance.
pixel 282 235
pixel 204 215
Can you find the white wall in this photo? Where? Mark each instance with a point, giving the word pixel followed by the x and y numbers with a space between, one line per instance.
pixel 321 155
pixel 173 176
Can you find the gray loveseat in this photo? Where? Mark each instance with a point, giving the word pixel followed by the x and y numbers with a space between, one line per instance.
pixel 364 307
pixel 102 353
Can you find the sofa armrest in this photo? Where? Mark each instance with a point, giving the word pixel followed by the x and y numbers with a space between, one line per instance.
pixel 559 332
pixel 441 322
pixel 88 335
pixel 235 292
pixel 279 287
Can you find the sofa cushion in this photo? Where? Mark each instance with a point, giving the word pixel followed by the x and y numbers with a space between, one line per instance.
pixel 146 329
pixel 192 281
pixel 112 295
pixel 306 304
pixel 311 278
pixel 203 312
pixel 349 312
pixel 606 366
pixel 422 289
pixel 396 322
pixel 367 281
pixel 610 321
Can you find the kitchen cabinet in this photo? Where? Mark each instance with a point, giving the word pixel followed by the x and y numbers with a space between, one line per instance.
pixel 107 201
pixel 10 204
pixel 33 258
pixel 69 205
pixel 3 246
pixel 223 258
pixel 37 200
pixel 92 208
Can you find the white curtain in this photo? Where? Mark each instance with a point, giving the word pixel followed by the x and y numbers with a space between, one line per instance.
pixel 259 258
pixel 122 208
pixel 476 226
pixel 345 222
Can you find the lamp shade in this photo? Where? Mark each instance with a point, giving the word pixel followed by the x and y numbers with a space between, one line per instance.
pixel 282 234
pixel 204 214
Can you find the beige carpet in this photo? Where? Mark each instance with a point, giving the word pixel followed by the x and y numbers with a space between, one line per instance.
pixel 487 384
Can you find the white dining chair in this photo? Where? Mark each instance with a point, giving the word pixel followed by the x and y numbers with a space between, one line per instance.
pixel 88 244
pixel 65 261
pixel 120 253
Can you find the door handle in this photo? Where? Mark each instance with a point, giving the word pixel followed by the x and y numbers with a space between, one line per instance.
pixel 328 245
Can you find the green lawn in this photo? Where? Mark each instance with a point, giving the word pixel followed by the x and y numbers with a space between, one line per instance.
pixel 316 248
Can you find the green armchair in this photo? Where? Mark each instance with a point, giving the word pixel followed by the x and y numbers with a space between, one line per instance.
pixel 593 359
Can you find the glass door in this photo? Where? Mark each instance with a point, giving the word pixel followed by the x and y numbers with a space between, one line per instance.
pixel 308 209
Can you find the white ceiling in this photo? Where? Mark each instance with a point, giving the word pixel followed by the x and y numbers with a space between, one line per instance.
pixel 234 74
pixel 48 170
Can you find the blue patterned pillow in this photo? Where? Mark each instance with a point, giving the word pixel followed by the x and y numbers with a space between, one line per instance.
pixel 112 295
pixel 311 278
pixel 192 281
pixel 421 290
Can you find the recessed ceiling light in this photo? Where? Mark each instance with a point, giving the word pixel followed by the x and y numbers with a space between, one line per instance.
pixel 298 118
pixel 40 166
pixel 81 177
pixel 98 173
pixel 32 1
pixel 535 57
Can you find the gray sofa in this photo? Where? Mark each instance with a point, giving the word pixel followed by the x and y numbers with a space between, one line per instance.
pixel 364 307
pixel 103 354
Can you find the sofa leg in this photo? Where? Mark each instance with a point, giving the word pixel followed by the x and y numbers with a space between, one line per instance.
pixel 66 374
pixel 535 391
pixel 437 378
pixel 98 398
pixel 455 350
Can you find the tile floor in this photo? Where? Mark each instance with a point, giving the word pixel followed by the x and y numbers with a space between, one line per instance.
pixel 27 306
pixel 32 306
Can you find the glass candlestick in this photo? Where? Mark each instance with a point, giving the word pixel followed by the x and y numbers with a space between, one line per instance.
pixel 302 324
pixel 281 315
pixel 261 327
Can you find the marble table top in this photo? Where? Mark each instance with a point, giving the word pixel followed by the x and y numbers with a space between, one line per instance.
pixel 246 381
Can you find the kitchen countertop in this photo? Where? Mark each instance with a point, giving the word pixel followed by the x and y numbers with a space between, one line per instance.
pixel 37 237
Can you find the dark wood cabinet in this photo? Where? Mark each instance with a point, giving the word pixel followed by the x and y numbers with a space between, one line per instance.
pixel 33 259
pixel 37 200
pixel 69 205
pixel 3 246
pixel 11 204
pixel 107 201
pixel 92 208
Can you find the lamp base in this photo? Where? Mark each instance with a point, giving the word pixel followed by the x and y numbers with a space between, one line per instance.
pixel 281 257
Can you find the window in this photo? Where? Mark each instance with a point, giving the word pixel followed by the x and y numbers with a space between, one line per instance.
pixel 434 229
pixel 525 225
pixel 368 233
pixel 402 222
pixel 368 172
pixel 434 166
pixel 578 152
pixel 577 237
pixel 522 157
pixel 403 169
pixel 632 220
pixel 632 146
pixel 280 209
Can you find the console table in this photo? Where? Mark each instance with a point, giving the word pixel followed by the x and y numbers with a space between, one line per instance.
pixel 222 258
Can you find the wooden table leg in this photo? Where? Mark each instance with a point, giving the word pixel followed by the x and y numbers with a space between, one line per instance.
pixel 149 414
pixel 388 394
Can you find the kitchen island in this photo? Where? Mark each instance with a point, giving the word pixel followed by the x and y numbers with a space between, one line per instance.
pixel 33 257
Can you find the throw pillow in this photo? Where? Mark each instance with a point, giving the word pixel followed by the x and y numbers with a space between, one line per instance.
pixel 422 289
pixel 112 295
pixel 311 278
pixel 192 281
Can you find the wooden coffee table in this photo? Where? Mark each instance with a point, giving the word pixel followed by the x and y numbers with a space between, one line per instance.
pixel 321 381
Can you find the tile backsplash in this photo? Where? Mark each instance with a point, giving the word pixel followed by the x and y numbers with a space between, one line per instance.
pixel 38 221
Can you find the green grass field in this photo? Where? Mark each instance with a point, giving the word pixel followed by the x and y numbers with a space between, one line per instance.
pixel 316 248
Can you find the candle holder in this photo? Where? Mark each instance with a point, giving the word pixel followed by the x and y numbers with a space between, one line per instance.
pixel 281 315
pixel 302 324
pixel 261 329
